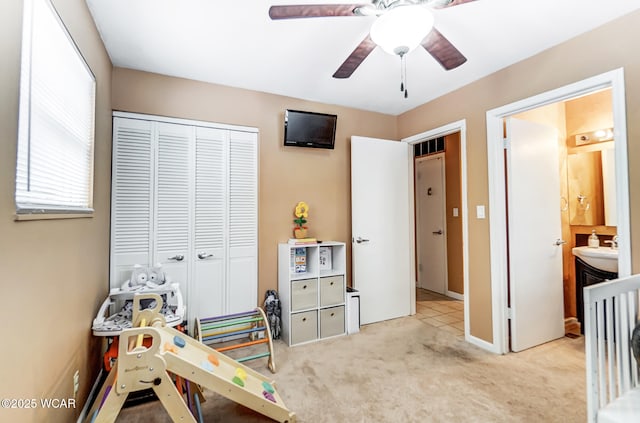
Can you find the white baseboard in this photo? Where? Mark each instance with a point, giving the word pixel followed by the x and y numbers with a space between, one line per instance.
pixel 455 295
pixel 91 398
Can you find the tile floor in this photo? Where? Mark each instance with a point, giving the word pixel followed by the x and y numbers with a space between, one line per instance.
pixel 440 311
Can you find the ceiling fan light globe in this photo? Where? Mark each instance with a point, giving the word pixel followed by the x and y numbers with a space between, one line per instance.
pixel 402 28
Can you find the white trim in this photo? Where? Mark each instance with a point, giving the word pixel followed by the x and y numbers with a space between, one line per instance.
pixel 180 121
pixel 49 216
pixel 91 398
pixel 453 127
pixel 481 343
pixel 412 234
pixel 495 161
pixel 455 295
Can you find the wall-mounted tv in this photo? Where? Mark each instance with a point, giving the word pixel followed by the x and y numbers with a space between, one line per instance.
pixel 309 129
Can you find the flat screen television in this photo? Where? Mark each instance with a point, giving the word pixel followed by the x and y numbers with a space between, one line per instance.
pixel 309 129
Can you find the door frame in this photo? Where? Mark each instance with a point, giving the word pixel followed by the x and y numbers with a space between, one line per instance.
pixel 451 128
pixel 440 156
pixel 497 217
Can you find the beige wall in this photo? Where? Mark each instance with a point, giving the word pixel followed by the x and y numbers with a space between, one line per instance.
pixel 589 113
pixel 606 48
pixel 287 175
pixel 54 272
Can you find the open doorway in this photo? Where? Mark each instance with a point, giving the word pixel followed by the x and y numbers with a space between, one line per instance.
pixel 514 308
pixel 438 166
pixel 585 147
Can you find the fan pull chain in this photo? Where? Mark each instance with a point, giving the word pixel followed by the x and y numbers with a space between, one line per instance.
pixel 404 73
pixel 401 74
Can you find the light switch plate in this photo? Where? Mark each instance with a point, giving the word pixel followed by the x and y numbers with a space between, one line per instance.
pixel 455 212
pixel 480 212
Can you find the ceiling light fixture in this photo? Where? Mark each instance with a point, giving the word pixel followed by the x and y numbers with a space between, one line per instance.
pixel 400 30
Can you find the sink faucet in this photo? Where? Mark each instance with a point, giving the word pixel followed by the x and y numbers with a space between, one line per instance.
pixel 613 242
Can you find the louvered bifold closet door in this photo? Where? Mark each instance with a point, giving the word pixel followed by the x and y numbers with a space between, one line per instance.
pixel 208 293
pixel 131 197
pixel 242 274
pixel 172 231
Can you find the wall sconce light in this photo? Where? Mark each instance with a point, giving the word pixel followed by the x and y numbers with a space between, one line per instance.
pixel 599 135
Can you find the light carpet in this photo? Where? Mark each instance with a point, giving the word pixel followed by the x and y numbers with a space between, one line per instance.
pixel 404 370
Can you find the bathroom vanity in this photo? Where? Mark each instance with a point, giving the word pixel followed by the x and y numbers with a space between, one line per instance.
pixel 593 265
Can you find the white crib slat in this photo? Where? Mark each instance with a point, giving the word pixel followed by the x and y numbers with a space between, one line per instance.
pixel 611 313
pixel 625 381
pixel 591 347
pixel 618 357
pixel 602 378
pixel 612 354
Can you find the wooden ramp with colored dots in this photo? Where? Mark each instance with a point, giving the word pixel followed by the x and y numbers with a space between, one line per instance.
pixel 152 365
pixel 203 365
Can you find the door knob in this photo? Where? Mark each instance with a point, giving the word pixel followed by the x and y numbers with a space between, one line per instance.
pixel 438 232
pixel 177 257
pixel 361 240
pixel 559 242
pixel 203 255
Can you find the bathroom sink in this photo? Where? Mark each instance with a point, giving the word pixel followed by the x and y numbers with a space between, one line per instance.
pixel 603 258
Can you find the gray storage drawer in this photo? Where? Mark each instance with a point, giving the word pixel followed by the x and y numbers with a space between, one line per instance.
pixel 304 294
pixel 331 321
pixel 304 327
pixel 332 290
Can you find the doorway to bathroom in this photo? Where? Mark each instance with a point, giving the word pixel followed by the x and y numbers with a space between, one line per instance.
pixel 533 288
pixel 580 134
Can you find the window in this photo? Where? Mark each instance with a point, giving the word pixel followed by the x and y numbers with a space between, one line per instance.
pixel 432 146
pixel 54 172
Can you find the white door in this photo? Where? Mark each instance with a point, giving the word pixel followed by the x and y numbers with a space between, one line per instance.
pixel 535 251
pixel 430 224
pixel 131 197
pixel 243 222
pixel 209 252
pixel 380 227
pixel 172 223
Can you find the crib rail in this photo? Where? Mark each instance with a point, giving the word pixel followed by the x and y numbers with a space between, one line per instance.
pixel 611 314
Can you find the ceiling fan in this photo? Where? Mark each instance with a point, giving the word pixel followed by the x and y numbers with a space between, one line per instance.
pixel 400 26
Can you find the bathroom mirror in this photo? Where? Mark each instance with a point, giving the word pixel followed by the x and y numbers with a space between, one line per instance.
pixel 591 183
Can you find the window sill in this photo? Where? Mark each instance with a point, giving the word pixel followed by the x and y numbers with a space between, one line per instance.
pixel 50 216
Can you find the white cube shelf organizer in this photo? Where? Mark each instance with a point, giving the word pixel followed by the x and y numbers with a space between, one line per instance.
pixel 312 297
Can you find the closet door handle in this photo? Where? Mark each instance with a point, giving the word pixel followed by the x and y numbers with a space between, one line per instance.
pixel 203 255
pixel 177 257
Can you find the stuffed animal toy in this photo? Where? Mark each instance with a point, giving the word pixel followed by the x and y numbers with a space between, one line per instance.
pixel 138 279
pixel 145 277
pixel 157 276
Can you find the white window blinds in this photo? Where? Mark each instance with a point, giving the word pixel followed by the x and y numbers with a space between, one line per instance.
pixel 54 172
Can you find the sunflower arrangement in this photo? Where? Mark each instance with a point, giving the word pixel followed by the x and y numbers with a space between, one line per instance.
pixel 301 213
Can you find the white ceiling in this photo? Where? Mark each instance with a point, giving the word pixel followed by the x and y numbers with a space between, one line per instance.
pixel 235 43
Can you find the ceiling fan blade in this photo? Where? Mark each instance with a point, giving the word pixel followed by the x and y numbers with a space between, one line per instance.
pixel 438 4
pixel 355 58
pixel 313 10
pixel 442 50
